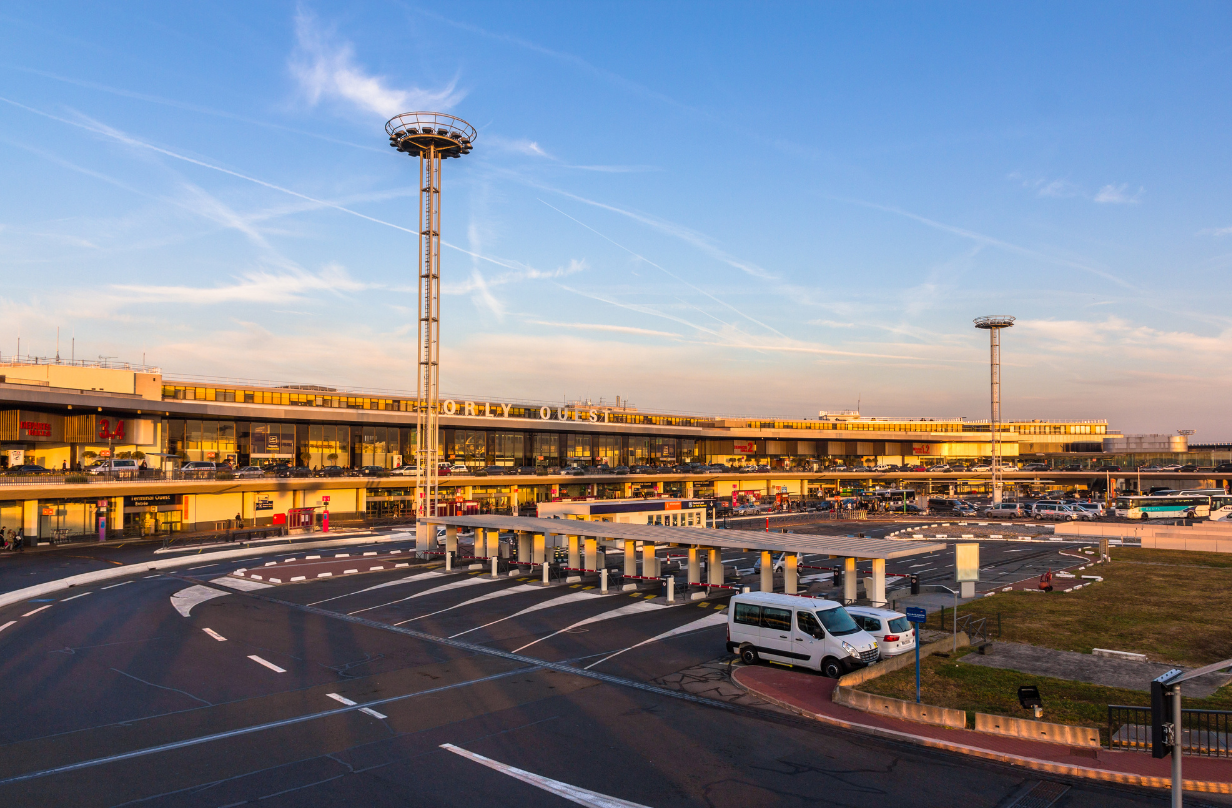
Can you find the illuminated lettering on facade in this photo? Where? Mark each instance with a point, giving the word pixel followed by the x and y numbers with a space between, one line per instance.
pixel 487 409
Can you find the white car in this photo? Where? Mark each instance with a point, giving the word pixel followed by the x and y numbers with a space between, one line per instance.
pixel 792 630
pixel 404 471
pixel 892 631
pixel 881 467
pixel 120 467
pixel 939 468
pixel 981 467
pixel 1094 508
pixel 1055 511
pixel 250 471
pixel 458 468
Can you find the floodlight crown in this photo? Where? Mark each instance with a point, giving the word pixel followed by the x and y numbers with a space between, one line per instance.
pixel 994 321
pixel 415 132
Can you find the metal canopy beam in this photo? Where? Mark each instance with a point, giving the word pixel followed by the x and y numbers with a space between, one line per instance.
pixel 839 546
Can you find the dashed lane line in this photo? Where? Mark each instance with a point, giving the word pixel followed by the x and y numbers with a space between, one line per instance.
pixel 266 663
pixel 121 583
pixel 214 634
pixel 36 611
pixel 74 597
pixel 349 703
pixel 574 794
pixel 235 733
pixel 6 625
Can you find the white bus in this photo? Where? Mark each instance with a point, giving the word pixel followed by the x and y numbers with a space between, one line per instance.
pixel 1176 506
pixel 1220 501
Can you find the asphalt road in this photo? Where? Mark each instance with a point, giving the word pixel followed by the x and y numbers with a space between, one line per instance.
pixel 114 697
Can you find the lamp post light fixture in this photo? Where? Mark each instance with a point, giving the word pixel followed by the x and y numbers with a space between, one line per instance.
pixel 432 137
pixel 993 324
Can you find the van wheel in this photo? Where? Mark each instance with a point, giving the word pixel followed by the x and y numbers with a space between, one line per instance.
pixel 748 655
pixel 830 668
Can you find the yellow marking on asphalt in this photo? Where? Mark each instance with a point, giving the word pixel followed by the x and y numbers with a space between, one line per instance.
pixel 587 587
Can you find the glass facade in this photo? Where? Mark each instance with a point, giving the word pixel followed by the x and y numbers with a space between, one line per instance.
pixel 509 448
pixel 329 445
pixel 578 447
pixel 546 449
pixel 272 442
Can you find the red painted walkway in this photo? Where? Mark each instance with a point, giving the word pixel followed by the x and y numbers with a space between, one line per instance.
pixel 811 694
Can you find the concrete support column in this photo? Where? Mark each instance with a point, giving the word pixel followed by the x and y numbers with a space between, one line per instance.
pixel 30 520
pixel 789 573
pixel 688 490
pixel 877 596
pixel 714 566
pixel 849 580
pixel 423 536
pixel 630 560
pixel 650 561
pixel 451 539
pixel 481 543
pixel 575 560
pixel 695 567
pixel 767 571
pixel 538 548
pixel 592 554
pixel 524 547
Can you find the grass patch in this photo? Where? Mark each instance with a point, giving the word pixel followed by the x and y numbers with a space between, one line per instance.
pixel 1172 605
pixel 950 683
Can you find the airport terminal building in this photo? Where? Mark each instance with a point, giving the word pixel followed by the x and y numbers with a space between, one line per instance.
pixel 59 415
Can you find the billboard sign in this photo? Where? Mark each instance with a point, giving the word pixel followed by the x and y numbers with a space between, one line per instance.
pixel 967 562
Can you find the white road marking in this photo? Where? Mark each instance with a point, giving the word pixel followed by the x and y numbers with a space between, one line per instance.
pixel 713 619
pixel 373 712
pixel 242 584
pixel 378 586
pixel 186 599
pixel 121 583
pixel 632 608
pixel 203 566
pixel 266 663
pixel 74 597
pixel 563 600
pixel 579 796
pixel 147 577
pixel 513 590
pixel 342 699
pixel 441 588
pixel 6 625
pixel 36 611
pixel 214 634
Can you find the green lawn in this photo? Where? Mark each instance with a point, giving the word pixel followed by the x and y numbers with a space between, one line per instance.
pixel 949 683
pixel 1173 606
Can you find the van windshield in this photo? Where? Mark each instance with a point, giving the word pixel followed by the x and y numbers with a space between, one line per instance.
pixel 837 621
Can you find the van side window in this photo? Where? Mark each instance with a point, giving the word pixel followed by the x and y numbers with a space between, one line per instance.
pixel 748 615
pixel 809 625
pixel 777 619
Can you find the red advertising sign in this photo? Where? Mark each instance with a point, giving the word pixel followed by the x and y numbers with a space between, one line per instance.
pixel 922 449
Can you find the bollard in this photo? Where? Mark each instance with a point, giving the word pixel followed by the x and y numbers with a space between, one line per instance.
pixel 448 561
pixel 671 589
pixel 545 573
pixel 746 590
pixel 603 580
pixel 494 560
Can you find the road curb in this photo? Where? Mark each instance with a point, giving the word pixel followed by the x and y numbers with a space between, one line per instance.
pixel 1051 767
pixel 48 587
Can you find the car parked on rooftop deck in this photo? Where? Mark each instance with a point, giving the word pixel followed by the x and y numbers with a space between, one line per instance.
pixel 1035 467
pixel 573 471
pixel 333 471
pixel 618 470
pixel 245 472
pixel 404 471
pixel 372 471
pixel 36 469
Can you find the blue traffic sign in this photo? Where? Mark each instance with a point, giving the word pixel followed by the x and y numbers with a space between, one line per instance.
pixel 916 615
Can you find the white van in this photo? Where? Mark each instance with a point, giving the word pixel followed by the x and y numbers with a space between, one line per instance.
pixel 795 630
pixel 892 631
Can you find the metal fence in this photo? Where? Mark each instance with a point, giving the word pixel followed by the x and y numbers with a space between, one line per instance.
pixel 1204 733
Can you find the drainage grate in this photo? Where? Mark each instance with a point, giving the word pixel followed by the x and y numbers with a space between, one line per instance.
pixel 1042 796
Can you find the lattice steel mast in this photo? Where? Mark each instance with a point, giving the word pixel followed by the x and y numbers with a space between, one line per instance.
pixel 432 137
pixel 993 324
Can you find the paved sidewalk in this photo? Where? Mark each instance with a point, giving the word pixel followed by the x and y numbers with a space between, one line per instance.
pixel 810 694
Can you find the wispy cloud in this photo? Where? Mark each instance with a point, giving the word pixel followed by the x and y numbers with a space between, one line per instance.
pixel 619 329
pixel 1217 232
pixel 993 242
pixel 254 287
pixel 326 69
pixel 1119 195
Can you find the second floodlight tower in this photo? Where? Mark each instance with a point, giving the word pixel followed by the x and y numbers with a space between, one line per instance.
pixel 432 137
pixel 993 324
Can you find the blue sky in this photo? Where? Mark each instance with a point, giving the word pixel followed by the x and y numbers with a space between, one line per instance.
pixel 718 208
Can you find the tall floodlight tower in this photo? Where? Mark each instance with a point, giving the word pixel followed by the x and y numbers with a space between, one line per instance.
pixel 432 137
pixel 993 325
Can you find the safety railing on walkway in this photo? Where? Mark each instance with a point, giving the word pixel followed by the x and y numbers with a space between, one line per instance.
pixel 1204 733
